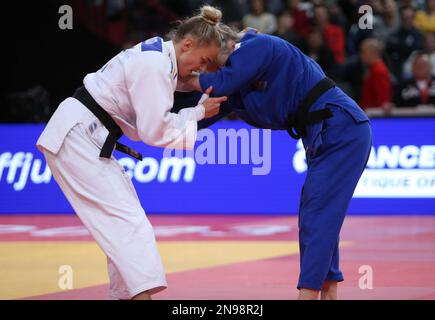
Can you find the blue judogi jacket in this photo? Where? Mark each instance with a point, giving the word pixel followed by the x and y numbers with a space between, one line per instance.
pixel 266 79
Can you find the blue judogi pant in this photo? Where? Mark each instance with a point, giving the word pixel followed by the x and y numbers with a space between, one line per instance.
pixel 337 152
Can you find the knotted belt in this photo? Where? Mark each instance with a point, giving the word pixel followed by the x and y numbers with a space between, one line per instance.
pixel 296 123
pixel 115 131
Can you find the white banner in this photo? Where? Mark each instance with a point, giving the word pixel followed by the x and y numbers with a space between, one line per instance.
pixel 396 183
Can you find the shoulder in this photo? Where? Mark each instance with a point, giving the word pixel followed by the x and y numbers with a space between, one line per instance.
pixel 252 38
pixel 252 47
pixel 149 54
pixel 334 29
pixel 380 68
pixel 268 15
pixel 421 15
pixel 154 44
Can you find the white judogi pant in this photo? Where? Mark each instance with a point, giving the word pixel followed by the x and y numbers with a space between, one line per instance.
pixel 105 200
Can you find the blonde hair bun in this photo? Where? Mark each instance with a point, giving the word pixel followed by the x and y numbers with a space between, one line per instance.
pixel 211 15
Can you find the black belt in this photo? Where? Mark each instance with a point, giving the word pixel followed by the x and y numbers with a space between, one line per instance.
pixel 296 125
pixel 115 131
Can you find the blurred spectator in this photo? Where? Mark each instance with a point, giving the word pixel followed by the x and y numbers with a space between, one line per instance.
pixel 302 22
pixel 334 35
pixel 273 6
pixel 350 10
pixel 376 89
pixel 350 83
pixel 420 90
pixel 29 105
pixel 416 4
pixel 147 18
pixel 429 49
pixel 389 21
pixel 425 20
pixel 357 34
pixel 233 11
pixel 326 30
pixel 403 41
pixel 320 52
pixel 376 5
pixel 259 19
pixel 337 16
pixel 285 29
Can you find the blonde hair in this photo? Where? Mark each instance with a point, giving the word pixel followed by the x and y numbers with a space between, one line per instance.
pixel 204 27
pixel 228 34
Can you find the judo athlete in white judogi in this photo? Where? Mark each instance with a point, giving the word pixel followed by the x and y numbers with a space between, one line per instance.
pixel 133 95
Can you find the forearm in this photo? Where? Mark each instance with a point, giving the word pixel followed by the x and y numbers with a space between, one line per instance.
pixel 190 85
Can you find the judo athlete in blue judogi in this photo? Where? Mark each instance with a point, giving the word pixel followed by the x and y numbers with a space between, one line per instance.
pixel 272 84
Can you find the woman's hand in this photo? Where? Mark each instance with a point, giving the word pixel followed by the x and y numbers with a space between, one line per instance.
pixel 211 105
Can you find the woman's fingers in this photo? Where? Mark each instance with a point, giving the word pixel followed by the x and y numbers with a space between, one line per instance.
pixel 209 90
pixel 218 99
pixel 212 105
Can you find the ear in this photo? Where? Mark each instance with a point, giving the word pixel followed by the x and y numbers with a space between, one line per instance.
pixel 187 44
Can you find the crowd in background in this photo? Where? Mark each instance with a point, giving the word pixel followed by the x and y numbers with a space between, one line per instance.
pixel 389 65
pixel 385 61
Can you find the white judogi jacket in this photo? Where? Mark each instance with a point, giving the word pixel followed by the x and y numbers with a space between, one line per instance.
pixel 136 88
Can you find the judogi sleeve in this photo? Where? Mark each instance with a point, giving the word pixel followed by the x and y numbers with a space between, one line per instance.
pixel 244 65
pixel 186 99
pixel 151 92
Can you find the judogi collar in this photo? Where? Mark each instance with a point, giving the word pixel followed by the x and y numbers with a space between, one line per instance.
pixel 171 52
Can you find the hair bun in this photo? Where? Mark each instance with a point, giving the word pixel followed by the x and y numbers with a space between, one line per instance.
pixel 211 15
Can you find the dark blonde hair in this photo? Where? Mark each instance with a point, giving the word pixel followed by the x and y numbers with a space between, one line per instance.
pixel 204 27
pixel 228 34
